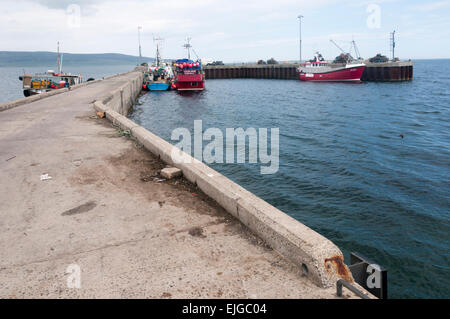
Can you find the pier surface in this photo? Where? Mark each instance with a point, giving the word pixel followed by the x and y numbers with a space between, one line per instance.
pixel 132 235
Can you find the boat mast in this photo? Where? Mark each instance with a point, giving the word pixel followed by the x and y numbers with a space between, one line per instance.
pixel 343 52
pixel 358 55
pixel 332 41
pixel 158 41
pixel 188 47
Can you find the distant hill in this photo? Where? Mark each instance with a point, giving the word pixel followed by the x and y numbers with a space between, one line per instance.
pixel 24 59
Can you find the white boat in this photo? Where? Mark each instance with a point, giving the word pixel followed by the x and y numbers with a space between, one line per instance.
pixel 38 83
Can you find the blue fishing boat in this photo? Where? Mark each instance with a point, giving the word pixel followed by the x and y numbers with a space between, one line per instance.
pixel 159 76
pixel 158 86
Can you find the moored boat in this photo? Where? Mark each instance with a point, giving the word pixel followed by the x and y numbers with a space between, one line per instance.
pixel 38 83
pixel 159 76
pixel 319 70
pixel 189 74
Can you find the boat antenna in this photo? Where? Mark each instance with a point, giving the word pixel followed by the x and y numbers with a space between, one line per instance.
pixel 188 46
pixel 140 48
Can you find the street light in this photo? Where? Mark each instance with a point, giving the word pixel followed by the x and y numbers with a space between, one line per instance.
pixel 300 20
pixel 140 49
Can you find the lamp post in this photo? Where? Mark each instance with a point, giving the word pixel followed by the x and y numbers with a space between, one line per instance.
pixel 140 49
pixel 300 20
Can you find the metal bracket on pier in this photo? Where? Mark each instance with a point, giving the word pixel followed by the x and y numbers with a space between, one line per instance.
pixel 369 275
pixel 341 283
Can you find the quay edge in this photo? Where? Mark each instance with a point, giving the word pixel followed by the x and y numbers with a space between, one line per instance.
pixel 320 259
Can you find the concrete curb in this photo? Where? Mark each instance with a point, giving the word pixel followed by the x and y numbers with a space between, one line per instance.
pixel 320 260
pixel 123 98
pixel 12 104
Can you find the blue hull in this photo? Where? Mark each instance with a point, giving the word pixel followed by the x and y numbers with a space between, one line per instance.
pixel 158 86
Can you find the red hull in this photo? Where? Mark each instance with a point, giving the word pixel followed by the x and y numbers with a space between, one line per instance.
pixel 339 75
pixel 189 82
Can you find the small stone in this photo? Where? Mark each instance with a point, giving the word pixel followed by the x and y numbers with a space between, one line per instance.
pixel 172 172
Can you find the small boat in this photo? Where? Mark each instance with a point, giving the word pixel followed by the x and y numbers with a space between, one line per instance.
pixel 159 76
pixel 189 74
pixel 158 86
pixel 319 70
pixel 48 81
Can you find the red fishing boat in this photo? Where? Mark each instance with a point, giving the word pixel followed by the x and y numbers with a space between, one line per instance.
pixel 319 70
pixel 189 74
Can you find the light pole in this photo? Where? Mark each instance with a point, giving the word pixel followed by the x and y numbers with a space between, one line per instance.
pixel 140 49
pixel 300 20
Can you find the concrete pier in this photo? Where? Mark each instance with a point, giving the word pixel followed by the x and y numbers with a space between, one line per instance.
pixel 374 72
pixel 133 234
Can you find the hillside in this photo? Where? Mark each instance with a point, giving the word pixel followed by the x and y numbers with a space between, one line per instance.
pixel 23 59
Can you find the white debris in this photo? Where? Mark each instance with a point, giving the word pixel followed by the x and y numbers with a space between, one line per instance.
pixel 45 177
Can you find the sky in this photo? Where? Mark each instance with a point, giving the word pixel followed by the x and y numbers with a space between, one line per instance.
pixel 231 30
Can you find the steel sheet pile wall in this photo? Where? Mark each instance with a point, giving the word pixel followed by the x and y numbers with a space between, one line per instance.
pixel 375 72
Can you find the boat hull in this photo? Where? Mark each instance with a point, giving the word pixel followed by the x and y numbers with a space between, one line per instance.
pixel 347 74
pixel 190 86
pixel 189 82
pixel 158 86
pixel 31 92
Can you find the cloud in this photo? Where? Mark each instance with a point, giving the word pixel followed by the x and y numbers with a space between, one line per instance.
pixel 432 6
pixel 224 30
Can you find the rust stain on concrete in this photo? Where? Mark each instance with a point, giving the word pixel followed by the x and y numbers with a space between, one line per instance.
pixel 337 263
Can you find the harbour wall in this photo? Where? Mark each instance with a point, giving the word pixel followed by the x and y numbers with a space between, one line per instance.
pixel 374 72
pixel 319 259
pixel 123 98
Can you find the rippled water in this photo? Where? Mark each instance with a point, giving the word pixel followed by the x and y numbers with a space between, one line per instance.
pixel 11 87
pixel 344 171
